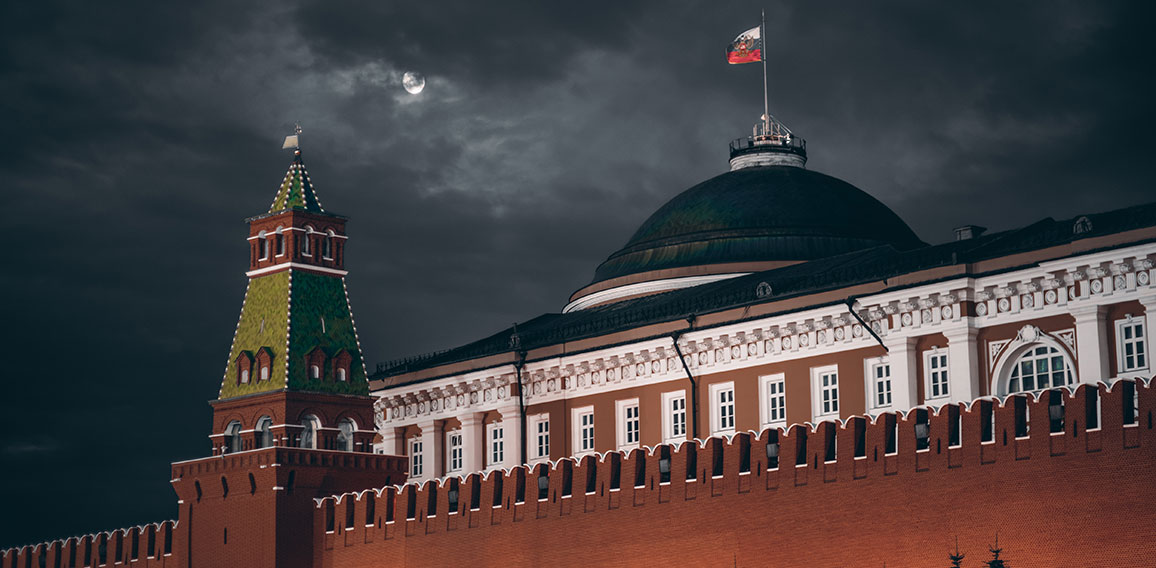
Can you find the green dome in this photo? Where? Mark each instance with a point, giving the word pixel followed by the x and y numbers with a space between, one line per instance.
pixel 758 214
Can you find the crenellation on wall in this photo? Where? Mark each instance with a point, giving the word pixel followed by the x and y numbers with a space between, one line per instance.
pixel 127 546
pixel 738 466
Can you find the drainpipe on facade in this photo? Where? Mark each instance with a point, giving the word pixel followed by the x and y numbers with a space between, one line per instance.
pixel 693 384
pixel 518 365
pixel 851 308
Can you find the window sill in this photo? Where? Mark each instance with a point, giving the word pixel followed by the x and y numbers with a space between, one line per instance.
pixel 615 489
pixel 567 496
pixel 1018 438
pixel 955 447
pixel 744 473
pixel 923 451
pixel 988 443
pixel 643 486
pixel 890 455
pixel 1132 425
pixel 798 465
pixel 390 522
pixel 661 483
pixel 1060 433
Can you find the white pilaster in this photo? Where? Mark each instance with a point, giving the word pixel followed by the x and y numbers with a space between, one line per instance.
pixel 962 363
pixel 904 388
pixel 432 449
pixel 1092 343
pixel 1149 303
pixel 389 444
pixel 474 441
pixel 512 433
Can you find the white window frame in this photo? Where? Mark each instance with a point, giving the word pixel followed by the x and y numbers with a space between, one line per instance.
pixel 624 421
pixel 1141 343
pixel 244 376
pixel 495 445
pixel 929 373
pixel 669 422
pixel 416 461
pixel 719 411
pixel 539 425
pixel 768 384
pixel 455 451
pixel 817 390
pixel 579 428
pixel 264 372
pixel 870 368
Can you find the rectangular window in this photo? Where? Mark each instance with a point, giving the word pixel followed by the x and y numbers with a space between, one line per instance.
pixel 540 429
pixel 415 464
pixel 674 416
pixel 723 417
pixel 1131 341
pixel 454 444
pixel 881 385
pixel 774 396
pixel 825 381
pixel 497 444
pixel 628 423
pixel 935 368
pixel 584 433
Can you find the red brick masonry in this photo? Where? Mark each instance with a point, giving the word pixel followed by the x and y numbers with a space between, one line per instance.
pixel 1074 497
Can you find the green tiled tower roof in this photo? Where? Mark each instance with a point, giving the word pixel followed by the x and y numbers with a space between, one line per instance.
pixel 291 312
pixel 296 191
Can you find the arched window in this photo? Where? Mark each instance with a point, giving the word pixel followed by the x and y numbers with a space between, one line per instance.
pixel 1038 368
pixel 263 245
pixel 327 245
pixel 264 434
pixel 341 362
pixel 264 361
pixel 309 427
pixel 314 371
pixel 244 363
pixel 233 437
pixel 345 435
pixel 280 241
pixel 306 247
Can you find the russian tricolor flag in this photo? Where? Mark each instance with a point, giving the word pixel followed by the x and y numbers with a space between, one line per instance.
pixel 747 48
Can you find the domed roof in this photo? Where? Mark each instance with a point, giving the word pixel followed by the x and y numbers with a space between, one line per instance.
pixel 762 216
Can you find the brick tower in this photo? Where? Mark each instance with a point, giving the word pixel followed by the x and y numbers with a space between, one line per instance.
pixel 293 419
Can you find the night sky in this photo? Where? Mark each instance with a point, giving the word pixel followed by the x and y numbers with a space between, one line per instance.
pixel 137 136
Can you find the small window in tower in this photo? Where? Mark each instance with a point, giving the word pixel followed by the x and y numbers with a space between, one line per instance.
pixel 327 246
pixel 345 435
pixel 341 374
pixel 264 373
pixel 280 238
pixel 315 371
pixel 244 376
pixel 306 248
pixel 264 438
pixel 233 437
pixel 262 246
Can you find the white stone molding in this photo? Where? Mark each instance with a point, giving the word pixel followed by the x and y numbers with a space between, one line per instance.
pixel 1028 337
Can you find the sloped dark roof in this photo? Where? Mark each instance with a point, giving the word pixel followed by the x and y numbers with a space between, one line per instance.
pixel 759 214
pixel 841 271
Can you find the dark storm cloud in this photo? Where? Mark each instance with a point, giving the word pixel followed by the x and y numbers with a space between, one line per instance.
pixel 137 136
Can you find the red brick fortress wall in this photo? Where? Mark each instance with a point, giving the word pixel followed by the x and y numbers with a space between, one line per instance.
pixel 1077 496
pixel 147 546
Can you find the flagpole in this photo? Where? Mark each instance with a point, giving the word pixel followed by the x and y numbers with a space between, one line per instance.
pixel 763 56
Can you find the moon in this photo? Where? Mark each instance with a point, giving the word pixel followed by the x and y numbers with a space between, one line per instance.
pixel 413 82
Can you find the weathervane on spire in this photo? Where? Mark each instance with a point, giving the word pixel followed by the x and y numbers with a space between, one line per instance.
pixel 293 140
